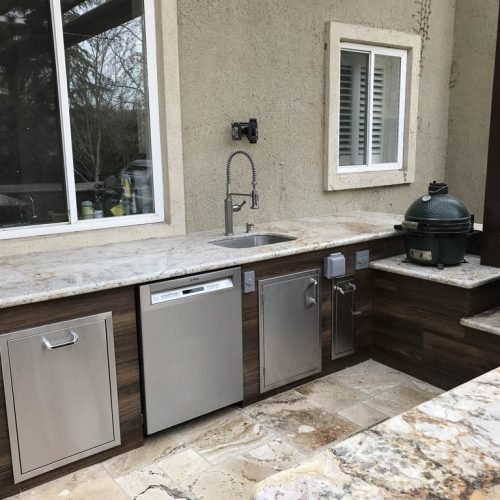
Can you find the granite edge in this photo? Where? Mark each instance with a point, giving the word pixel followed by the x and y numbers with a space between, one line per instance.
pixel 96 286
pixel 476 324
pixel 415 273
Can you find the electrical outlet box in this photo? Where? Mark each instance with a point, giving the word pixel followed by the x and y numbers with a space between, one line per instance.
pixel 334 265
pixel 361 259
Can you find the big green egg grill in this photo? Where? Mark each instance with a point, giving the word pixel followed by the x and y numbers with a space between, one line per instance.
pixel 436 228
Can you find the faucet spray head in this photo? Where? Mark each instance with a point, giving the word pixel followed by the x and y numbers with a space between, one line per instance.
pixel 255 200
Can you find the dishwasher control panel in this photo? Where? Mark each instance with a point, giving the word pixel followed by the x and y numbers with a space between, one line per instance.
pixel 188 291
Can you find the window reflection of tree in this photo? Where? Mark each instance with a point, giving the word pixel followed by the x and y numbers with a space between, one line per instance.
pixel 106 90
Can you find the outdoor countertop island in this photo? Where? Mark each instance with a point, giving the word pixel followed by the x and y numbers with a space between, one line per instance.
pixel 448 447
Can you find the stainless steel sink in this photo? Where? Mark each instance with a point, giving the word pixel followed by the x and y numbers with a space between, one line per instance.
pixel 253 240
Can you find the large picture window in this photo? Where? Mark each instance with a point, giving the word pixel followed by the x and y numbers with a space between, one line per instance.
pixel 78 116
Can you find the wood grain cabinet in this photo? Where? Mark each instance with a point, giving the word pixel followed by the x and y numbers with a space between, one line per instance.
pixel 416 328
pixel 61 393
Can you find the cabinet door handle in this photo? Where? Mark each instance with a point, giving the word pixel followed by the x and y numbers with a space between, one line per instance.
pixel 311 300
pixel 50 346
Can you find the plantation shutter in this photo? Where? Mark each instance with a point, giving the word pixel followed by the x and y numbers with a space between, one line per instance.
pixel 378 115
pixel 345 128
pixel 353 119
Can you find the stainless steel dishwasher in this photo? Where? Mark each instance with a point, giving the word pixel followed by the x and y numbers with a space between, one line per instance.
pixel 191 338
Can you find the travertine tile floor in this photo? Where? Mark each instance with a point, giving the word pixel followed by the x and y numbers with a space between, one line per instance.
pixel 221 455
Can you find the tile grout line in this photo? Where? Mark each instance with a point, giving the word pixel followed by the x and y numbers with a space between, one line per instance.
pixel 188 476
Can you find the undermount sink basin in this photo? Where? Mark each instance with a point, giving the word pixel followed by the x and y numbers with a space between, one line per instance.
pixel 253 240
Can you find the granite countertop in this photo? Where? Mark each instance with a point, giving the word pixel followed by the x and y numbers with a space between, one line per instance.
pixel 43 276
pixel 487 321
pixel 469 274
pixel 448 447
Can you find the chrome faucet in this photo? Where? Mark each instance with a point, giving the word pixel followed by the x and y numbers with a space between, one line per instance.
pixel 229 206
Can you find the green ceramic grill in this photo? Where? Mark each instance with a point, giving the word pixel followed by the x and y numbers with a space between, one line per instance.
pixel 437 227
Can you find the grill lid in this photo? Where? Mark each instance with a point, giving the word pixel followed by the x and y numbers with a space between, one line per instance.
pixel 438 212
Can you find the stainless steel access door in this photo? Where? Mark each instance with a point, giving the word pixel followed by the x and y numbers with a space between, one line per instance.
pixel 289 328
pixel 60 391
pixel 343 290
pixel 192 357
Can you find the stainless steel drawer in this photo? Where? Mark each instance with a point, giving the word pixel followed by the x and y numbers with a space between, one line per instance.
pixel 61 393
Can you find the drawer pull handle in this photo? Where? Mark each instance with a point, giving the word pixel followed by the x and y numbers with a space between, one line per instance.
pixel 48 345
pixel 349 288
pixel 311 300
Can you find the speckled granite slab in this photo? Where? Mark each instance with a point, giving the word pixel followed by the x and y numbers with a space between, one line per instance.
pixel 487 321
pixel 470 274
pixel 50 275
pixel 448 447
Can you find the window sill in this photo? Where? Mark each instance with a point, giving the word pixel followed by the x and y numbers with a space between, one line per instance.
pixel 82 225
pixel 374 178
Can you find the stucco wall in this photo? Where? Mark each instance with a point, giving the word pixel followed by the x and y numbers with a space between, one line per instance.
pixel 471 85
pixel 265 59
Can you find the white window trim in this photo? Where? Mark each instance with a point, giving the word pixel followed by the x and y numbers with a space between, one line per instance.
pixel 75 225
pixel 373 51
pixel 340 35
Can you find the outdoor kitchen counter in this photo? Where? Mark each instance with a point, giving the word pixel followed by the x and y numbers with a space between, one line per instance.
pixel 44 276
pixel 448 447
pixel 469 274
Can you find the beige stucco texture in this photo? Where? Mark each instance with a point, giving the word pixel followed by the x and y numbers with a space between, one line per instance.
pixel 471 86
pixel 266 59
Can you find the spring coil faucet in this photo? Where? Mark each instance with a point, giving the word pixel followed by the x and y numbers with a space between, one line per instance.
pixel 229 206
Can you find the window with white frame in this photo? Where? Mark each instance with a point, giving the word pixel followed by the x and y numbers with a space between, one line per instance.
pixel 78 116
pixel 371 108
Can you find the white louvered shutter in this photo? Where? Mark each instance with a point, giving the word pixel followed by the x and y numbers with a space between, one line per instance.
pixel 345 126
pixel 378 115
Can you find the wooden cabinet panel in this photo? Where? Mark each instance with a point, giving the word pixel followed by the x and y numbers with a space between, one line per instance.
pixel 416 328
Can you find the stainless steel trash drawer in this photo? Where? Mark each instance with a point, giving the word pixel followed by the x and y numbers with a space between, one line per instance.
pixel 61 393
